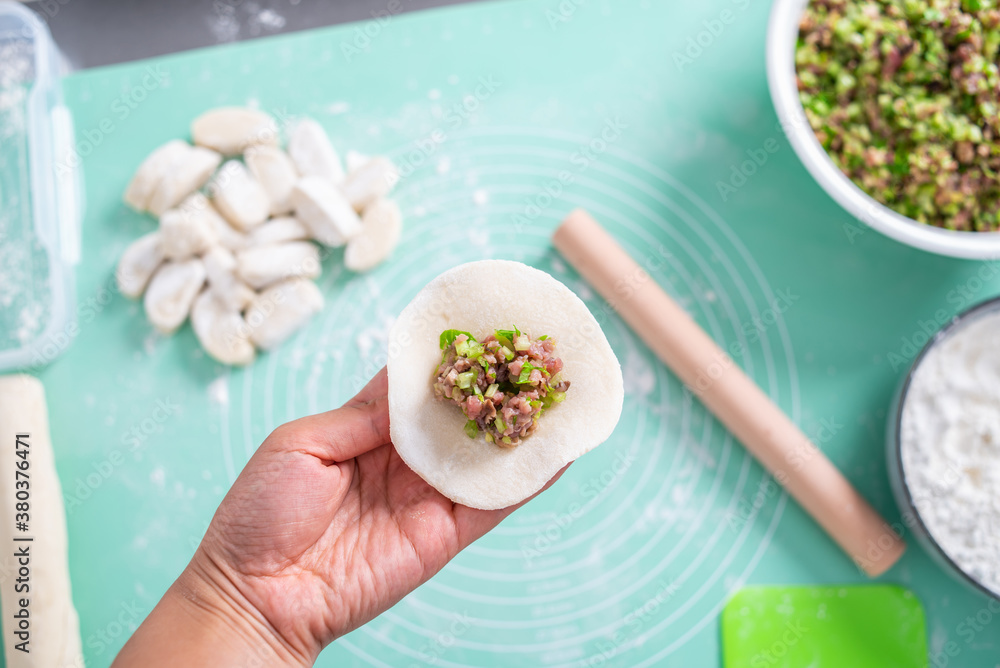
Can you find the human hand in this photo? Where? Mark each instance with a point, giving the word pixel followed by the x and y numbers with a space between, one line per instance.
pixel 325 528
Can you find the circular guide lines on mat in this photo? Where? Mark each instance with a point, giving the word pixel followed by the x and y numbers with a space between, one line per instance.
pixel 637 547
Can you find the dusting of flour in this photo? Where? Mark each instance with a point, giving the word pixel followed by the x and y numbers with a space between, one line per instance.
pixel 950 435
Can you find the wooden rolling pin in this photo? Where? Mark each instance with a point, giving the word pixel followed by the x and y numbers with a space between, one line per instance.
pixel 729 394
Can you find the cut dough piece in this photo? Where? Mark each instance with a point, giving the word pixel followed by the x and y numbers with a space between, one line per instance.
pixel 261 266
pixel 324 211
pixel 355 161
pixel 281 310
pixel 186 232
pixel 239 196
pixel 381 227
pixel 372 180
pixel 220 269
pixel 55 627
pixel 428 434
pixel 140 189
pixel 313 154
pixel 230 130
pixel 138 263
pixel 198 205
pixel 221 330
pixel 171 292
pixel 278 230
pixel 188 173
pixel 274 170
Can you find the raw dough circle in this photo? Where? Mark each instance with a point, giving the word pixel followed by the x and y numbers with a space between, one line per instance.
pixel 428 434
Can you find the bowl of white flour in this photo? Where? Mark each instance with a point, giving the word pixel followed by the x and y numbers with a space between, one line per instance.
pixel 944 447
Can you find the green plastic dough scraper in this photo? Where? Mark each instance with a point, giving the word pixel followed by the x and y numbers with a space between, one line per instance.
pixel 868 626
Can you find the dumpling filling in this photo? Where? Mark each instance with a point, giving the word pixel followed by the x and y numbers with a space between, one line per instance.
pixel 503 383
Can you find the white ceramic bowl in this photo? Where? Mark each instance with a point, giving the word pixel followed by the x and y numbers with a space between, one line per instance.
pixel 782 34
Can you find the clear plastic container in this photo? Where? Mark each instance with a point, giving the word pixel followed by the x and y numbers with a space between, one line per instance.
pixel 40 196
pixel 897 472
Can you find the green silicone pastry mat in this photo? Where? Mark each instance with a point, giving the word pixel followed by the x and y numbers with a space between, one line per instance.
pixel 503 117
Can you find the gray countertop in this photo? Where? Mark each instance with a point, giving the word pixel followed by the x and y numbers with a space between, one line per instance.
pixel 102 32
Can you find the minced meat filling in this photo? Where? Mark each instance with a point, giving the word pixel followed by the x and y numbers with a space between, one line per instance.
pixel 902 94
pixel 503 383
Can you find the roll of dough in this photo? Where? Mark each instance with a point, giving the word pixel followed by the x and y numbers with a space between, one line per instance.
pixel 55 628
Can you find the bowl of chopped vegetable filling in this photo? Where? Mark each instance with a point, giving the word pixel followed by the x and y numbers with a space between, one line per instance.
pixel 894 108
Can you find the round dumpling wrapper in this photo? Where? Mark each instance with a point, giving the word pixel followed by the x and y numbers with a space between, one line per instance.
pixel 428 433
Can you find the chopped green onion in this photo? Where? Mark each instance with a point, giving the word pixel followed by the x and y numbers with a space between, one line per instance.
pixel 465 379
pixel 521 343
pixel 491 390
pixel 499 424
pixel 507 353
pixel 471 429
pixel 507 336
pixel 525 375
pixel 474 350
pixel 489 437
pixel 448 337
pixel 483 363
pixel 506 439
pixel 543 337
pixel 553 398
pixel 535 403
pixel 462 348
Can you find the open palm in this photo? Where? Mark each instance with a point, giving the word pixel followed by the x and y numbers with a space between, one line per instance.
pixel 327 527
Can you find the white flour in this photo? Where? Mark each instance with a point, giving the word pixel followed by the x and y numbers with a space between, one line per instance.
pixel 950 437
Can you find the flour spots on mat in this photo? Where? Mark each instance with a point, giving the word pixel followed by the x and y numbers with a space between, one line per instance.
pixel 640 381
pixel 218 391
pixel 373 340
pixel 337 108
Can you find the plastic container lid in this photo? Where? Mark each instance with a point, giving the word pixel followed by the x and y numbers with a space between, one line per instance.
pixel 40 203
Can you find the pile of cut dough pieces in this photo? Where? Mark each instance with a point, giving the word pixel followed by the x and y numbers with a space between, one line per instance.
pixel 238 217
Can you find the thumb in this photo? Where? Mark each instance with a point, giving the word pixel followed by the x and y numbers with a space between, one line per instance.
pixel 362 424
